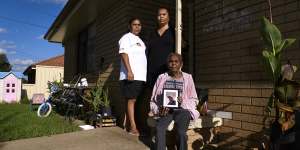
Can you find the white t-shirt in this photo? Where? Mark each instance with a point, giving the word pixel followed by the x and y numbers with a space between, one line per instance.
pixel 135 48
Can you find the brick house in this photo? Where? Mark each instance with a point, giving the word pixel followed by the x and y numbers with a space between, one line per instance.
pixel 223 53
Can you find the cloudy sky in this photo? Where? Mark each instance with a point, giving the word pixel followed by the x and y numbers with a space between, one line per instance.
pixel 23 24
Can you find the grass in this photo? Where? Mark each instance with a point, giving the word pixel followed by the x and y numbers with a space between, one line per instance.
pixel 18 122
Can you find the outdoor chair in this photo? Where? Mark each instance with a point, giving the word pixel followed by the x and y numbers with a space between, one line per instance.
pixel 37 99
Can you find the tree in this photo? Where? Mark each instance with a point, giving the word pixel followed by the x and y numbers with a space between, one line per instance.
pixel 4 63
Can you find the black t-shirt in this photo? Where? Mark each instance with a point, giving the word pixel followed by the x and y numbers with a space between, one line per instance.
pixel 158 49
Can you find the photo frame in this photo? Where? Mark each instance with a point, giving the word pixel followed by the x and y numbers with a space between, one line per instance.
pixel 170 97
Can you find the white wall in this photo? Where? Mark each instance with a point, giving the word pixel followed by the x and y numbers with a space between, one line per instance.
pixel 43 75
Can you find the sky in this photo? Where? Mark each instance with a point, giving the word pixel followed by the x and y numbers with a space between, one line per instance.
pixel 23 23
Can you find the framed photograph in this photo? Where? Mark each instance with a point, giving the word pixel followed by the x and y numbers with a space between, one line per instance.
pixel 170 98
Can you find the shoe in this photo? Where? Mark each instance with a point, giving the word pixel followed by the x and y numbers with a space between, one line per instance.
pixel 135 133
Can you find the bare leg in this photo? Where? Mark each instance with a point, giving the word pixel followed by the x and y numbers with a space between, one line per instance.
pixel 130 112
pixel 125 122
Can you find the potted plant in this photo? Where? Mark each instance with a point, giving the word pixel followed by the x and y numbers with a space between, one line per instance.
pixel 94 98
pixel 98 98
pixel 285 90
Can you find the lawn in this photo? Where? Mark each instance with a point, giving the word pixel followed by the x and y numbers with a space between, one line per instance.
pixel 17 122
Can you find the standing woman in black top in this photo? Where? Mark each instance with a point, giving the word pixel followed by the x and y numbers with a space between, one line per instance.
pixel 161 43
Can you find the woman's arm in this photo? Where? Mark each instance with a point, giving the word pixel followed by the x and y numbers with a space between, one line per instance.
pixel 191 95
pixel 192 90
pixel 125 60
pixel 191 100
pixel 124 47
pixel 154 108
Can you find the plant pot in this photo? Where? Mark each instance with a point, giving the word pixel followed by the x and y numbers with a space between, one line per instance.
pixel 106 111
pixel 281 140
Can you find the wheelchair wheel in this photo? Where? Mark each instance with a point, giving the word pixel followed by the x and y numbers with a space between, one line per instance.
pixel 44 110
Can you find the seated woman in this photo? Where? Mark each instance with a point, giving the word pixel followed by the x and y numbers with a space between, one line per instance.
pixel 187 100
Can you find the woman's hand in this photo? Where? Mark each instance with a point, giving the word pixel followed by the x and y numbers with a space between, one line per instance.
pixel 285 126
pixel 150 114
pixel 130 76
pixel 179 99
pixel 163 111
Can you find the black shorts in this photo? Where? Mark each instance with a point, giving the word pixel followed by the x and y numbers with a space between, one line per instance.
pixel 131 89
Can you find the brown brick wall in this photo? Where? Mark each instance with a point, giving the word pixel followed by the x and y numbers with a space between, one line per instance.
pixel 111 24
pixel 228 50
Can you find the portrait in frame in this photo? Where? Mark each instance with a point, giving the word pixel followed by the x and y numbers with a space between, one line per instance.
pixel 170 97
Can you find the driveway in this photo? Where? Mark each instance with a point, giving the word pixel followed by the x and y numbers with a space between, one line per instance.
pixel 112 138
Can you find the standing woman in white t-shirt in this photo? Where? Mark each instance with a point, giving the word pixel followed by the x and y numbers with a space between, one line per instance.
pixel 133 69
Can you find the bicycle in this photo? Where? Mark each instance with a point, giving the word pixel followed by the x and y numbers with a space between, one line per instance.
pixel 70 103
pixel 45 108
pixel 66 99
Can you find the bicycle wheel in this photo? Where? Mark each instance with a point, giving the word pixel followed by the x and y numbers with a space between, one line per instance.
pixel 44 110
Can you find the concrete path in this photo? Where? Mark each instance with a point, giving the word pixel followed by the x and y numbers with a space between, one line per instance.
pixel 96 139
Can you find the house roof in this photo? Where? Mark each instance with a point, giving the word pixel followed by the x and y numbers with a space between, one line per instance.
pixel 75 16
pixel 57 24
pixel 16 74
pixel 54 61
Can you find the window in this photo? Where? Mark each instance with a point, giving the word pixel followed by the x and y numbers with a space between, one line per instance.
pixel 91 52
pixel 13 85
pixel 7 85
pixel 86 50
pixel 31 76
pixel 13 90
pixel 7 90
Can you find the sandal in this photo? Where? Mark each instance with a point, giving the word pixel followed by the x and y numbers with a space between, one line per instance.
pixel 134 132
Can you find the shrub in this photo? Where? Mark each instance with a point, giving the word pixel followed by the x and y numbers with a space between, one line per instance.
pixel 24 100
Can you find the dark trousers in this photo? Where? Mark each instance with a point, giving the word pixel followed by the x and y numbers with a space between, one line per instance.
pixel 181 118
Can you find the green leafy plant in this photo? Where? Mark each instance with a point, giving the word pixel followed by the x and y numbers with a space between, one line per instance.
pixel 24 100
pixel 97 97
pixel 274 45
pixel 94 97
pixel 105 100
pixel 284 96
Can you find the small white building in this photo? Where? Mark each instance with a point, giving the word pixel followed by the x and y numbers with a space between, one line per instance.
pixel 10 87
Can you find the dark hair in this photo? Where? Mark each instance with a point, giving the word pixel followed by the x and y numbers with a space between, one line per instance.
pixel 176 55
pixel 130 22
pixel 163 7
pixel 133 19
